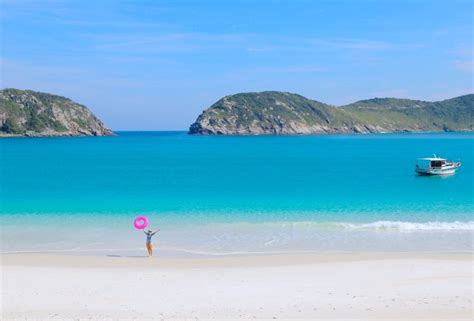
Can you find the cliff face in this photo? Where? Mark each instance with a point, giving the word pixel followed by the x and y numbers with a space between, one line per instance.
pixel 285 113
pixel 30 113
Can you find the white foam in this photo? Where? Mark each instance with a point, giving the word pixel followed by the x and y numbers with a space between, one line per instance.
pixel 400 225
pixel 370 226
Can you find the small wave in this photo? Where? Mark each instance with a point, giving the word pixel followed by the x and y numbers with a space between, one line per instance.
pixel 400 225
pixel 377 225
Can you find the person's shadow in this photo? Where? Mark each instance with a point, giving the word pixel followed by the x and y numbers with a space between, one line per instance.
pixel 116 255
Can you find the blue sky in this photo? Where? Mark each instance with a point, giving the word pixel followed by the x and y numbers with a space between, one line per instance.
pixel 155 65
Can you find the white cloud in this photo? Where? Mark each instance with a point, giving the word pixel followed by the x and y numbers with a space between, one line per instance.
pixel 355 44
pixel 392 93
pixel 168 41
pixel 466 65
pixel 261 49
pixel 293 69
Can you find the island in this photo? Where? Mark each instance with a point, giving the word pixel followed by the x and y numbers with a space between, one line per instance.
pixel 37 114
pixel 284 113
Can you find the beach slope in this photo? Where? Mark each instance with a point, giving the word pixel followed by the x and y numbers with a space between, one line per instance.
pixel 363 286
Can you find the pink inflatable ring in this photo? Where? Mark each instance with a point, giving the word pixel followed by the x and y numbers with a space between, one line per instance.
pixel 140 222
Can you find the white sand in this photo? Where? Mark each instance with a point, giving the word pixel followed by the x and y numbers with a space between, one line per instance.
pixel 310 286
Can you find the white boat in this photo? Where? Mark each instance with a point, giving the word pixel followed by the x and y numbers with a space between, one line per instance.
pixel 436 166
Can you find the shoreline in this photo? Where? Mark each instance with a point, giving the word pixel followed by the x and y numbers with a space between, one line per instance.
pixel 240 238
pixel 344 286
pixel 186 132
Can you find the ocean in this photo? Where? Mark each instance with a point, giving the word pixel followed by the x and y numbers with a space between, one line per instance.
pixel 217 195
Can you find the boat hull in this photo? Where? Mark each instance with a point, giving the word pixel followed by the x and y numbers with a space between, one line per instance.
pixel 436 172
pixel 445 170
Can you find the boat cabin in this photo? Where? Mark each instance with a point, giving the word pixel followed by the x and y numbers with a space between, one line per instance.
pixel 431 162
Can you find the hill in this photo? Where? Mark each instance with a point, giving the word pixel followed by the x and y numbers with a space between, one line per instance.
pixel 30 113
pixel 273 112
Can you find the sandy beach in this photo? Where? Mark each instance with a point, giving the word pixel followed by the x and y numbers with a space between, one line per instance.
pixel 343 286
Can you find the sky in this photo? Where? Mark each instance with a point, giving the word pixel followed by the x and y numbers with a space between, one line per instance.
pixel 156 65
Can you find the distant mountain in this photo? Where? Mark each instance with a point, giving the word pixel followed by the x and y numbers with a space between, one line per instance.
pixel 273 112
pixel 395 115
pixel 31 113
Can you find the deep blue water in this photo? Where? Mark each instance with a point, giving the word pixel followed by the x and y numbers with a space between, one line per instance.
pixel 360 177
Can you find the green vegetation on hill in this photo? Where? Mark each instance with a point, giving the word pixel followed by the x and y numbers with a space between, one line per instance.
pixel 30 113
pixel 11 127
pixel 414 115
pixel 273 112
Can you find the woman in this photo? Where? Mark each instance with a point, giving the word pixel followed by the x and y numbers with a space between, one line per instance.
pixel 149 234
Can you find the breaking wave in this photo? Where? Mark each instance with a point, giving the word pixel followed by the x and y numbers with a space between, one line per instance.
pixel 400 225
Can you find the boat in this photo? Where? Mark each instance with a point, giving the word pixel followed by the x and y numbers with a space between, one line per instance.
pixel 436 166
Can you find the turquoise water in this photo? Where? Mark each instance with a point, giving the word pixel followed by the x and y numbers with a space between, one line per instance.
pixel 256 188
